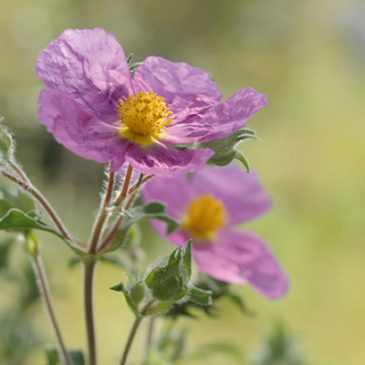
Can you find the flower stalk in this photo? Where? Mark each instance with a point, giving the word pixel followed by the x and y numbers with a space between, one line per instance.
pixel 131 337
pixel 89 268
pixel 44 290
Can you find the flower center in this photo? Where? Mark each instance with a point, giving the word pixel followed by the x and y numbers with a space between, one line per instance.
pixel 204 216
pixel 144 117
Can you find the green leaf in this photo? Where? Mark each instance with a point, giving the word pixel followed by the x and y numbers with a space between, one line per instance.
pixel 168 281
pixel 225 148
pixel 152 210
pixel 5 206
pixel 200 296
pixel 137 292
pixel 17 220
pixel 158 307
pixel 19 200
pixel 77 357
pixel 52 356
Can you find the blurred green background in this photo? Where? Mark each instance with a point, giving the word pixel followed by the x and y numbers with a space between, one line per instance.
pixel 309 57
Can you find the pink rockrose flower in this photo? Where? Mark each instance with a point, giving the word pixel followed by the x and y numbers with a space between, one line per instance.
pixel 97 109
pixel 208 204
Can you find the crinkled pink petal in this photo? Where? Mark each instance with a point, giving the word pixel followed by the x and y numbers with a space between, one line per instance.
pixel 238 257
pixel 219 121
pixel 79 130
pixel 188 90
pixel 89 66
pixel 242 194
pixel 161 160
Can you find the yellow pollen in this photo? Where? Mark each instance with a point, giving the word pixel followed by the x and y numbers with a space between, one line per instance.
pixel 204 216
pixel 144 117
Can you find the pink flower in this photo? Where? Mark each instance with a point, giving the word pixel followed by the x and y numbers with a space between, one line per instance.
pixel 209 204
pixel 94 107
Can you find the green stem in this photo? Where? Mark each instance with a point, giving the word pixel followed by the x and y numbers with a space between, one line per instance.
pixel 132 334
pixel 47 299
pixel 89 312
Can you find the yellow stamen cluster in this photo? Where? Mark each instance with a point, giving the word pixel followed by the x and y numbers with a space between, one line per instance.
pixel 204 216
pixel 144 117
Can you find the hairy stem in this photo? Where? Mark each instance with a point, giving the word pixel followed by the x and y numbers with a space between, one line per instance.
pixel 125 187
pixel 45 204
pixel 131 336
pixel 89 312
pixel 89 267
pixel 47 299
pixel 102 216
pixel 109 238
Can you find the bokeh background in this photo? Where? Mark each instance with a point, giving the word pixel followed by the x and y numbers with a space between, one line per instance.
pixel 309 57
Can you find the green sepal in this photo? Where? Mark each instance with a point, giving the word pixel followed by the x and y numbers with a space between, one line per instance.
pixel 158 307
pixel 152 210
pixel 225 148
pixel 242 158
pixel 168 281
pixel 133 295
pixel 137 292
pixel 200 296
